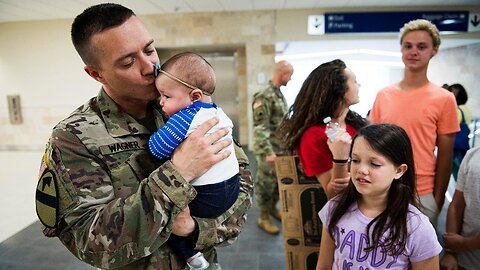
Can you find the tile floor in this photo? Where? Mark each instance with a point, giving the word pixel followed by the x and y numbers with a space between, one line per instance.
pixel 22 245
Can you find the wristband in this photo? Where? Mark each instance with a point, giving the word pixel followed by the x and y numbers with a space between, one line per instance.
pixel 341 161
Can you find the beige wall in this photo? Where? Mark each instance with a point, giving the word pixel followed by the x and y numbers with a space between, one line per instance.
pixel 252 34
pixel 38 62
pixel 459 65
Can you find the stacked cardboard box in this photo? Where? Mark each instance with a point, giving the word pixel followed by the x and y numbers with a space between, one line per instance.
pixel 301 198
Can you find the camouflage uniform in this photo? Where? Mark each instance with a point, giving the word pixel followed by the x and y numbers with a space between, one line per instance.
pixel 269 108
pixel 112 204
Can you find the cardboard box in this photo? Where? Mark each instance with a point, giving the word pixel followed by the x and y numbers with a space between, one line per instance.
pixel 301 198
pixel 301 258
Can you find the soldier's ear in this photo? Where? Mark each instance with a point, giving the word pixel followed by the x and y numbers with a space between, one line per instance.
pixel 94 73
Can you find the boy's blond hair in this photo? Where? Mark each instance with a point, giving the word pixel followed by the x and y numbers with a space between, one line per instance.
pixel 421 25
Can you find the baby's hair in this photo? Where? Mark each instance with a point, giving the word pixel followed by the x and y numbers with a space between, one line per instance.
pixel 193 69
pixel 392 142
pixel 422 25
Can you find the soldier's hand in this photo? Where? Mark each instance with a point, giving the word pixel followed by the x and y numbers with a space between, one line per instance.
pixel 199 152
pixel 183 225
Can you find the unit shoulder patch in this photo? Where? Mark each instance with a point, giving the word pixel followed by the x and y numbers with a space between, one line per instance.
pixel 46 199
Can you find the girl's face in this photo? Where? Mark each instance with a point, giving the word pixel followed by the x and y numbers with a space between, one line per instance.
pixel 371 172
pixel 417 49
pixel 351 96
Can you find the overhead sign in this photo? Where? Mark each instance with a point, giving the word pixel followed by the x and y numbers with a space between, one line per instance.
pixel 388 22
pixel 316 25
pixel 474 22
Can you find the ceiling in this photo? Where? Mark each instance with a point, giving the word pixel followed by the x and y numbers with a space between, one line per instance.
pixel 26 10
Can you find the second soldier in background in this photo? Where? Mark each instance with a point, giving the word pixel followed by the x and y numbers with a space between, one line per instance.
pixel 269 108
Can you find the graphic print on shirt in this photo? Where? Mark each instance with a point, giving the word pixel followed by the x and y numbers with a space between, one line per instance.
pixel 351 247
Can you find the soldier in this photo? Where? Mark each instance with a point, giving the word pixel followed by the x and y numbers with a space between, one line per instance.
pixel 269 107
pixel 100 191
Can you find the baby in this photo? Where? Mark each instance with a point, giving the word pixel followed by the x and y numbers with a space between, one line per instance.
pixel 186 82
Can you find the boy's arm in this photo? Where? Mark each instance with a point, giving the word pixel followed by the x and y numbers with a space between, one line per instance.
pixel 454 242
pixel 455 213
pixel 443 167
pixel 447 127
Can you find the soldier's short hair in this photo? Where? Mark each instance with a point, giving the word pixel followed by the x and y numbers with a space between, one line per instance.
pixel 96 19
pixel 283 66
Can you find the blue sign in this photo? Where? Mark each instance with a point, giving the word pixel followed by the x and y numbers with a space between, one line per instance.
pixel 385 22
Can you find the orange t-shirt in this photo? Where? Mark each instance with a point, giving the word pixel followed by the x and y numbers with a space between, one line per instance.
pixel 424 113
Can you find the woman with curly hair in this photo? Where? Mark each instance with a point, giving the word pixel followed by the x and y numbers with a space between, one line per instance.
pixel 328 91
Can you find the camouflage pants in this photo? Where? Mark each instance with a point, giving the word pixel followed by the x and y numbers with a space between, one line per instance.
pixel 266 187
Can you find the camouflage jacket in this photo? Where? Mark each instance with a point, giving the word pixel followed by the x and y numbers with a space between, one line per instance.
pixel 269 108
pixel 111 203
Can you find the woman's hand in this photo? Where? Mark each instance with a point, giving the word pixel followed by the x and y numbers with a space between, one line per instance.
pixel 340 147
pixel 339 184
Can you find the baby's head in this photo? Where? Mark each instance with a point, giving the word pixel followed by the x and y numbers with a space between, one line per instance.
pixel 184 78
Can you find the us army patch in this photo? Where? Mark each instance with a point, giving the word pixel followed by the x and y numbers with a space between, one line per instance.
pixel 43 165
pixel 46 199
pixel 257 104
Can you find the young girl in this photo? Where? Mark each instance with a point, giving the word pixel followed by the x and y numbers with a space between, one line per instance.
pixel 374 223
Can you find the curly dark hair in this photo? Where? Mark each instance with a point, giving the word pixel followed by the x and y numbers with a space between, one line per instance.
pixel 322 93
